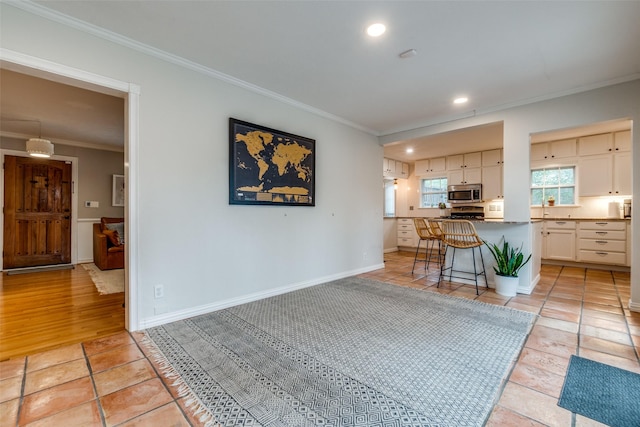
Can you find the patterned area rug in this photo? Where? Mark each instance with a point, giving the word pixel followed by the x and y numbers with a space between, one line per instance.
pixel 352 352
pixel 106 281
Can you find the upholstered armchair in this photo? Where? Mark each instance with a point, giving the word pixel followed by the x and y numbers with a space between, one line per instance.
pixel 108 243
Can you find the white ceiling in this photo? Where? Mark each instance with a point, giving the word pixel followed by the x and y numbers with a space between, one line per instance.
pixel 316 52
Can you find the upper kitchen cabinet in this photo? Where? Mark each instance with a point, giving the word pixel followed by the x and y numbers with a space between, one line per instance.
pixel 553 150
pixel 430 166
pixel 464 169
pixel 394 169
pixel 605 143
pixel 492 170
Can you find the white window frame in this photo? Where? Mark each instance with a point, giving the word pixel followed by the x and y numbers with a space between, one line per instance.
pixel 558 186
pixel 423 193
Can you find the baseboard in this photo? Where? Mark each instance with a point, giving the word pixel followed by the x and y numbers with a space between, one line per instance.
pixel 634 306
pixel 221 305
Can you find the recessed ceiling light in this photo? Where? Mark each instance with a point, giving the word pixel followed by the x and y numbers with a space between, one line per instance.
pixel 409 150
pixel 461 100
pixel 376 30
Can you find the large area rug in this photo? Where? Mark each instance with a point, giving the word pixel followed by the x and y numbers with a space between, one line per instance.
pixel 106 281
pixel 601 392
pixel 352 352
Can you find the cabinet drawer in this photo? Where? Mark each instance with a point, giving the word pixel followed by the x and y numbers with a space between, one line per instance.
pixel 405 221
pixel 408 227
pixel 405 234
pixel 603 225
pixel 404 241
pixel 602 245
pixel 562 225
pixel 602 235
pixel 602 257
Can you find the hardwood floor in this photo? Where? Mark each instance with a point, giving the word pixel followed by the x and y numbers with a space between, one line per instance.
pixel 44 310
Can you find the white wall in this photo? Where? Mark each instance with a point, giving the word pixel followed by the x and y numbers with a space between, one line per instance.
pixel 205 252
pixel 608 103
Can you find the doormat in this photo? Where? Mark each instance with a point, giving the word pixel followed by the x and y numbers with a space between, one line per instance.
pixel 39 269
pixel 106 281
pixel 601 392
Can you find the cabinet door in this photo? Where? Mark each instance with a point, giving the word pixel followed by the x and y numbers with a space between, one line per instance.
pixel 404 170
pixel 539 151
pixel 473 160
pixel 473 176
pixel 455 162
pixel 563 148
pixel 595 175
pixel 622 141
pixel 438 164
pixel 422 167
pixel 491 158
pixel 455 177
pixel 622 174
pixel 560 245
pixel 595 144
pixel 492 182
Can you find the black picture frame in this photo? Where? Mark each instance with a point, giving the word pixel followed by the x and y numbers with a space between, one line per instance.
pixel 269 166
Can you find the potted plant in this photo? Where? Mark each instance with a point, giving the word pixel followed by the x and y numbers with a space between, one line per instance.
pixel 509 261
pixel 443 209
pixel 552 201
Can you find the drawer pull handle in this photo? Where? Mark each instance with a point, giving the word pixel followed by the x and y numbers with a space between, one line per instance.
pixel 602 223
pixel 601 232
pixel 602 253
pixel 603 242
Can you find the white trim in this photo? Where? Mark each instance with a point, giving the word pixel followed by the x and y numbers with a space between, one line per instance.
pixel 59 141
pixel 131 92
pixel 634 306
pixel 55 16
pixel 74 198
pixel 209 308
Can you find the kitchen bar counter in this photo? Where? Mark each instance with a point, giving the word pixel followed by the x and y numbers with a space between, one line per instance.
pixel 577 218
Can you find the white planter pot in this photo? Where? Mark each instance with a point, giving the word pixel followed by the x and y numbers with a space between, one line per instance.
pixel 506 285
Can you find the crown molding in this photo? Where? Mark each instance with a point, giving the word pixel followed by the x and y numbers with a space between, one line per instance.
pixel 113 37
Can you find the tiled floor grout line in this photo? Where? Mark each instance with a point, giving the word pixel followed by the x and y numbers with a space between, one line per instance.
pixel 95 388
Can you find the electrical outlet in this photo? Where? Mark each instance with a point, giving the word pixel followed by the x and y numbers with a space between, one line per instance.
pixel 158 291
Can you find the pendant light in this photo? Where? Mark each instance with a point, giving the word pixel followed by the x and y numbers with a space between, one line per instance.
pixel 39 147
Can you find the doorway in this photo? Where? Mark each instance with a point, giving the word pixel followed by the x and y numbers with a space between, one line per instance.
pixel 37 212
pixel 130 93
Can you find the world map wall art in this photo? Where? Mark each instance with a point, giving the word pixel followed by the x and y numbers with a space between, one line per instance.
pixel 270 167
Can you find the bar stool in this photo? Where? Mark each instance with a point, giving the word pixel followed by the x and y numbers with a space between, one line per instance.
pixel 425 232
pixel 461 234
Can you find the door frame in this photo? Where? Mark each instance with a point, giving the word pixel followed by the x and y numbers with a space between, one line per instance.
pixel 130 92
pixel 74 200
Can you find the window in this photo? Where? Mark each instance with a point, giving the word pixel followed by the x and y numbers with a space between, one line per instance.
pixel 389 198
pixel 432 192
pixel 559 182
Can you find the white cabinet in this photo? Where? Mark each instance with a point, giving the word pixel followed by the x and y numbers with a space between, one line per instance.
pixel 430 166
pixel 464 161
pixel 464 169
pixel 604 174
pixel 492 171
pixel 394 168
pixel 605 143
pixel 553 150
pixel 602 242
pixel 559 240
pixel 406 233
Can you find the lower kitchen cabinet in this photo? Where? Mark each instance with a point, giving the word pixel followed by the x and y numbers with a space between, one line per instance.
pixel 406 233
pixel 602 242
pixel 559 240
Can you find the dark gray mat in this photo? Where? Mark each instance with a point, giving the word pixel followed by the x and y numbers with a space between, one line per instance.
pixel 352 352
pixel 601 392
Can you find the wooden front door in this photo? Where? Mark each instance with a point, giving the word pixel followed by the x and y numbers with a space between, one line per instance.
pixel 37 212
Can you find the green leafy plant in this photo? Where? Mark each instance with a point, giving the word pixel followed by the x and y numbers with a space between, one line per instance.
pixel 441 205
pixel 509 259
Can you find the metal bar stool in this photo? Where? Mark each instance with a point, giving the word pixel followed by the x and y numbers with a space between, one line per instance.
pixel 461 234
pixel 425 232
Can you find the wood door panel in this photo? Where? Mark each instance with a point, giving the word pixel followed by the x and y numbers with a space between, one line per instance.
pixel 37 216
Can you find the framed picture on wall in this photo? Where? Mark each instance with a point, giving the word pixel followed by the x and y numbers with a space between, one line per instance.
pixel 270 167
pixel 117 191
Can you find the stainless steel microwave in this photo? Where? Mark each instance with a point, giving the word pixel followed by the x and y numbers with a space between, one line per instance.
pixel 466 193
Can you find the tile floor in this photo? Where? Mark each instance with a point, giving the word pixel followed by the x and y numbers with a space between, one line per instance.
pixel 113 381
